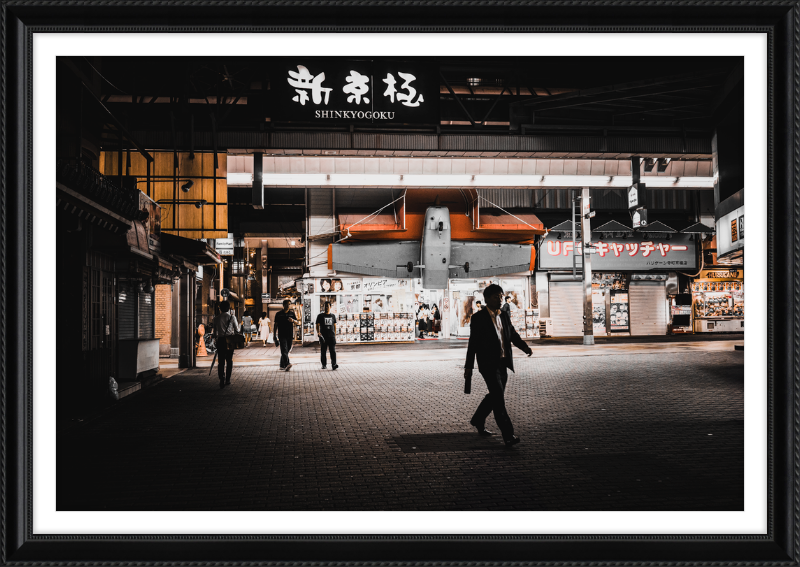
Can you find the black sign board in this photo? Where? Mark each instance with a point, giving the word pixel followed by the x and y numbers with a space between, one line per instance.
pixel 639 217
pixel 330 91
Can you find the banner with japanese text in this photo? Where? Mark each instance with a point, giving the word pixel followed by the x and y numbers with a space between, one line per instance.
pixel 634 253
pixel 341 91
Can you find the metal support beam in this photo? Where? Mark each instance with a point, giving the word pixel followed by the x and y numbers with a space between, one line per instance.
pixel 118 124
pixel 624 90
pixel 264 273
pixel 174 141
pixel 191 137
pixel 458 100
pixel 588 327
pixel 258 180
pixel 186 322
pixel 496 100
pixel 214 145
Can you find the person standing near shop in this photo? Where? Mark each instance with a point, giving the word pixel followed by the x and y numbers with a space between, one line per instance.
pixel 285 322
pixel 422 317
pixel 506 308
pixel 436 318
pixel 247 327
pixel 490 337
pixel 225 325
pixel 326 331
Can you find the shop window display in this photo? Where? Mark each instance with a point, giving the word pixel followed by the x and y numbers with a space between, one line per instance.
pixel 718 300
pixel 362 314
pixel 466 298
pixel 531 324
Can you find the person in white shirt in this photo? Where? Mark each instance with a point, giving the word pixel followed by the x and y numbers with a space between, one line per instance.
pixel 263 328
pixel 225 325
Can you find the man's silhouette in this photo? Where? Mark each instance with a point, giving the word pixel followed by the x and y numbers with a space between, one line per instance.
pixel 490 338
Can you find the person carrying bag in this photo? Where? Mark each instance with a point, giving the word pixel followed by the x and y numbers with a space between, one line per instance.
pixel 229 338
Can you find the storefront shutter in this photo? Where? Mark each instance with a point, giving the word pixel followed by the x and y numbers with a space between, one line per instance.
pixel 126 312
pixel 566 309
pixel 648 308
pixel 147 327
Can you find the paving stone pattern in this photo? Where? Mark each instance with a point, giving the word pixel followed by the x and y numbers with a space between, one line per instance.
pixel 622 432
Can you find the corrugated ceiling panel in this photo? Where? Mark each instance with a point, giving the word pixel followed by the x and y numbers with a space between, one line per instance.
pixel 311 140
pixel 372 199
pixel 395 141
pixel 506 198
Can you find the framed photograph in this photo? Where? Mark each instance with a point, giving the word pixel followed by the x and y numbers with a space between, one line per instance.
pixel 181 160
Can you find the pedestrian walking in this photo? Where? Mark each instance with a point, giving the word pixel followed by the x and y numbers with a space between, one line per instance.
pixel 506 308
pixel 326 331
pixel 225 325
pixel 490 337
pixel 436 319
pixel 247 327
pixel 263 328
pixel 285 322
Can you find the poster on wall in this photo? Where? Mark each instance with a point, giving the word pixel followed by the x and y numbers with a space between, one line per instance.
pixel 598 312
pixel 470 304
pixel 619 311
pixel 467 299
pixel 285 280
pixel 531 324
pixel 349 303
pixel 329 285
pixel 385 284
pixel 379 303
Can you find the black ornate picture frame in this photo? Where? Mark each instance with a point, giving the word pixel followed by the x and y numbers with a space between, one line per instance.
pixel 779 19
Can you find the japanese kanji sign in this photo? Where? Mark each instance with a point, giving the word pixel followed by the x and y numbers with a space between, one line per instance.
pixel 344 91
pixel 633 253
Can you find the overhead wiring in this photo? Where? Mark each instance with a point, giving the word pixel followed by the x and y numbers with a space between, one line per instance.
pixel 372 215
pixel 506 212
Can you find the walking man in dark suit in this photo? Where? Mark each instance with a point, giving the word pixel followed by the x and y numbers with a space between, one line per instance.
pixel 490 338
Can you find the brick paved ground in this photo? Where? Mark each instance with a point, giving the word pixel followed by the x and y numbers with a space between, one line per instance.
pixel 618 432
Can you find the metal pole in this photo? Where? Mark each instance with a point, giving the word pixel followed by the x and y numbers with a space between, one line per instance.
pixel 574 248
pixel 588 328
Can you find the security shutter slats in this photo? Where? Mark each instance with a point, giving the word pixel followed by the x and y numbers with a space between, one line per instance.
pixel 648 308
pixel 566 309
pixel 320 221
pixel 126 312
pixel 147 326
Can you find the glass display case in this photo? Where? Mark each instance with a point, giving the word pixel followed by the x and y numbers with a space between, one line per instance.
pixel 718 306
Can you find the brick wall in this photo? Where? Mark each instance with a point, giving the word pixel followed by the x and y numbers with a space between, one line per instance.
pixel 164 318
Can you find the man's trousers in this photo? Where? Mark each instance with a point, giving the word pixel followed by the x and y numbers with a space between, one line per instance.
pixel 495 402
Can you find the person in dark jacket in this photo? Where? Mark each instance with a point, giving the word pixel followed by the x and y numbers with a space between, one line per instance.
pixel 285 322
pixel 490 337
pixel 436 320
pixel 225 325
